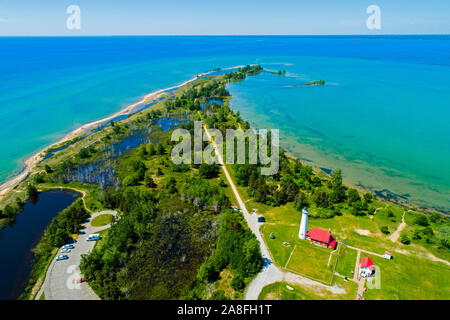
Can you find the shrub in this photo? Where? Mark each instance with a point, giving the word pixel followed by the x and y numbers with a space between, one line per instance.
pixel 385 230
pixel 416 234
pixel 219 295
pixel 404 239
pixel 209 171
pixel 238 283
pixel 131 180
pixel 421 220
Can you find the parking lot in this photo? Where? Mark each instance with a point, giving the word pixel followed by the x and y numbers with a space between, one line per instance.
pixel 60 281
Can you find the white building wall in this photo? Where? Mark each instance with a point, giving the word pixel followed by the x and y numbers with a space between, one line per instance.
pixel 303 224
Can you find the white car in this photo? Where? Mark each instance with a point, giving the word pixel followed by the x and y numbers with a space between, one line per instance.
pixel 93 237
pixel 65 250
pixel 62 257
pixel 67 246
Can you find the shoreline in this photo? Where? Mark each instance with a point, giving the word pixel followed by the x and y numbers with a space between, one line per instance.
pixel 37 157
pixel 131 109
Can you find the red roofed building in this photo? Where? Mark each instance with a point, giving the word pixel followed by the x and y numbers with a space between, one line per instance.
pixel 366 267
pixel 321 238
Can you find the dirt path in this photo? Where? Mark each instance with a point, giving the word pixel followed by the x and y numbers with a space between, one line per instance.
pixel 365 251
pixel 269 273
pixel 359 294
pixel 396 234
pixel 361 282
pixel 355 273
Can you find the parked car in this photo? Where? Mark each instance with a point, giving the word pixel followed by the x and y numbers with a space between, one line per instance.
pixel 62 257
pixel 65 250
pixel 261 219
pixel 93 237
pixel 67 246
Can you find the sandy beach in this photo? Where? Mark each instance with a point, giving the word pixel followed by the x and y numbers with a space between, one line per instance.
pixel 32 161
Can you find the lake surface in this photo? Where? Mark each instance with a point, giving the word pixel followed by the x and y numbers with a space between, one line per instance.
pixel 18 240
pixel 382 115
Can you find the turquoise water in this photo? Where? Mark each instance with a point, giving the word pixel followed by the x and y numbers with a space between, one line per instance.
pixel 385 124
pixel 382 116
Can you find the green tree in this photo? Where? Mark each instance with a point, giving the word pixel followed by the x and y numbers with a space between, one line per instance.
pixel 353 196
pixel 60 238
pixel 321 199
pixel 300 201
pixel 404 238
pixel 149 182
pixel 9 211
pixel 435 217
pixel 385 230
pixel 368 197
pixel 421 220
pixel 416 234
pixel 209 171
pixel 31 190
pixel 151 149
pixel 238 283
pixel 131 180
pixel 84 153
pixel 161 149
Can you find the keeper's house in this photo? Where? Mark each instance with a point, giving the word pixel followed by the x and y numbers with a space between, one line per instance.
pixel 321 238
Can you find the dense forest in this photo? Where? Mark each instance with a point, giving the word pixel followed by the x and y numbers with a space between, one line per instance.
pixel 177 231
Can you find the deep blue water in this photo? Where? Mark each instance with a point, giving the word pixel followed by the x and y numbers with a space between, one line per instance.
pixel 17 240
pixel 50 86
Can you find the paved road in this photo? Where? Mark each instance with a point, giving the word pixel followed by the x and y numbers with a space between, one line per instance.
pixel 60 279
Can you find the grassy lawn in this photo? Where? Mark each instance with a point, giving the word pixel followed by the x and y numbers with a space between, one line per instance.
pixel 346 263
pixel 282 233
pixel 312 261
pixel 410 275
pixel 103 234
pixel 406 277
pixel 102 220
pixel 279 291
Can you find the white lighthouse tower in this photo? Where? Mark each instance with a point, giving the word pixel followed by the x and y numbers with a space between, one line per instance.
pixel 303 224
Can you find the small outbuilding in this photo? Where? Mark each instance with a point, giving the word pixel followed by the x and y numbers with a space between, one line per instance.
pixel 366 268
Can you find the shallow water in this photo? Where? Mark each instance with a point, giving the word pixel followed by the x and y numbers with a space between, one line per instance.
pixel 380 122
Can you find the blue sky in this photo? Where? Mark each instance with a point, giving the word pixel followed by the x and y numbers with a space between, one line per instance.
pixel 233 17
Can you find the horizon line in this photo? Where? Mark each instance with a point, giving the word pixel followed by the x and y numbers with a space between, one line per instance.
pixel 225 35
